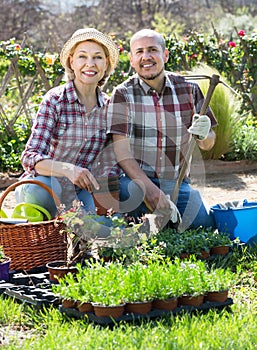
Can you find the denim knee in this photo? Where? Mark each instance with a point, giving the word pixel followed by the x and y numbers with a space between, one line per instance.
pixel 131 198
pixel 34 194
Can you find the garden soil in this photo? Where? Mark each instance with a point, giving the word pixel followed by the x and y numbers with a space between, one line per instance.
pixel 217 181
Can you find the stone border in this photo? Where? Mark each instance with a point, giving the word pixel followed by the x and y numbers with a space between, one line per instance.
pixel 224 167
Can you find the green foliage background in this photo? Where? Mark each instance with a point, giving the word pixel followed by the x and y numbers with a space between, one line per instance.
pixel 235 61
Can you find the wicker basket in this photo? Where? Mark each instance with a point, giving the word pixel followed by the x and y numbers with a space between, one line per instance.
pixel 32 245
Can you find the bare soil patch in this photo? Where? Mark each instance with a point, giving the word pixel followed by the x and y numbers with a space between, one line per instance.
pixel 220 188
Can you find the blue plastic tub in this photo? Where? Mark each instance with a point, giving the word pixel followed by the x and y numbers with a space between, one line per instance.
pixel 238 222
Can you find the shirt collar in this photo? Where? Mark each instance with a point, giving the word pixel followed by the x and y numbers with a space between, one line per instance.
pixel 146 88
pixel 73 97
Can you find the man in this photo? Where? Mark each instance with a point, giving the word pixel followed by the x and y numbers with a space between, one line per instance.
pixel 152 119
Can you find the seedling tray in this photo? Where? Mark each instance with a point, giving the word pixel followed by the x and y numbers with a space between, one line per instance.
pixel 153 314
pixel 34 289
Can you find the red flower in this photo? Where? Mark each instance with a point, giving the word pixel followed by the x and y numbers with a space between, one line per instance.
pixel 232 44
pixel 192 57
pixel 241 32
pixel 121 48
pixel 18 47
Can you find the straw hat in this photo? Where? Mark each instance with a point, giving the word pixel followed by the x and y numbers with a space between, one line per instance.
pixel 91 34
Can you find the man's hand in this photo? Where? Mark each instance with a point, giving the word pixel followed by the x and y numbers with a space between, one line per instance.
pixel 155 199
pixel 170 213
pixel 201 126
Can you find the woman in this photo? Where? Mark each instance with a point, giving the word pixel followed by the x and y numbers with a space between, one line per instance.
pixel 68 140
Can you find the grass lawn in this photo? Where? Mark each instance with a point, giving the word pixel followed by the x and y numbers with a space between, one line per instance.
pixel 23 327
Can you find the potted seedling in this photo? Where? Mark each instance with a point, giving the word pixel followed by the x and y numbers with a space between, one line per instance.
pixel 4 266
pixel 138 288
pixel 105 285
pixel 218 283
pixel 194 242
pixel 220 243
pixel 166 285
pixel 193 287
pixel 74 291
pixel 165 243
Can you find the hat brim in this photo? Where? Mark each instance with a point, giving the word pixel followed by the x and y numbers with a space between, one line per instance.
pixel 45 213
pixel 91 34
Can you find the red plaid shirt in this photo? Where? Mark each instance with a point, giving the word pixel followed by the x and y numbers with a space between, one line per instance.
pixel 64 131
pixel 156 124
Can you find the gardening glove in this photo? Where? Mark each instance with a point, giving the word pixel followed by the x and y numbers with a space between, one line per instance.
pixel 175 216
pixel 201 126
pixel 170 214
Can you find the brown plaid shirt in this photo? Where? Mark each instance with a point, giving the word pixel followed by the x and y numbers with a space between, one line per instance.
pixel 156 124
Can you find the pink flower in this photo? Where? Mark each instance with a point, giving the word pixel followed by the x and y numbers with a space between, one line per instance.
pixel 232 44
pixel 241 33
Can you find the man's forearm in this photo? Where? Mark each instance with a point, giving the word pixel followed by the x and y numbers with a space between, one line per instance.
pixel 134 172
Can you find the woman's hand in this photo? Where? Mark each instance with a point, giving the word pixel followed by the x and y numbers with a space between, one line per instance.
pixel 82 178
pixel 79 176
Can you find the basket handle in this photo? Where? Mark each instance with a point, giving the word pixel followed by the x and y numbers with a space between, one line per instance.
pixel 34 182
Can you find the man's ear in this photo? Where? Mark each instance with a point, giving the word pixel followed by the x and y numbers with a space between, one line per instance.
pixel 166 55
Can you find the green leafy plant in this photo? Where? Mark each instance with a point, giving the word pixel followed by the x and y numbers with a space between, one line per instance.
pixel 137 283
pixel 166 280
pixel 217 239
pixel 225 105
pixel 192 278
pixel 84 228
pixel 107 284
pixel 243 143
pixel 219 279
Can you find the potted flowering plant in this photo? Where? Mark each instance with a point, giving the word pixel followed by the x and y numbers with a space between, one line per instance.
pixel 220 243
pixel 139 289
pixel 166 285
pixel 218 283
pixel 78 228
pixel 193 286
pixel 4 265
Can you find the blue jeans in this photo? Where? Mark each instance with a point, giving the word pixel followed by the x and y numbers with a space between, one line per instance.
pixel 34 194
pixel 190 204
